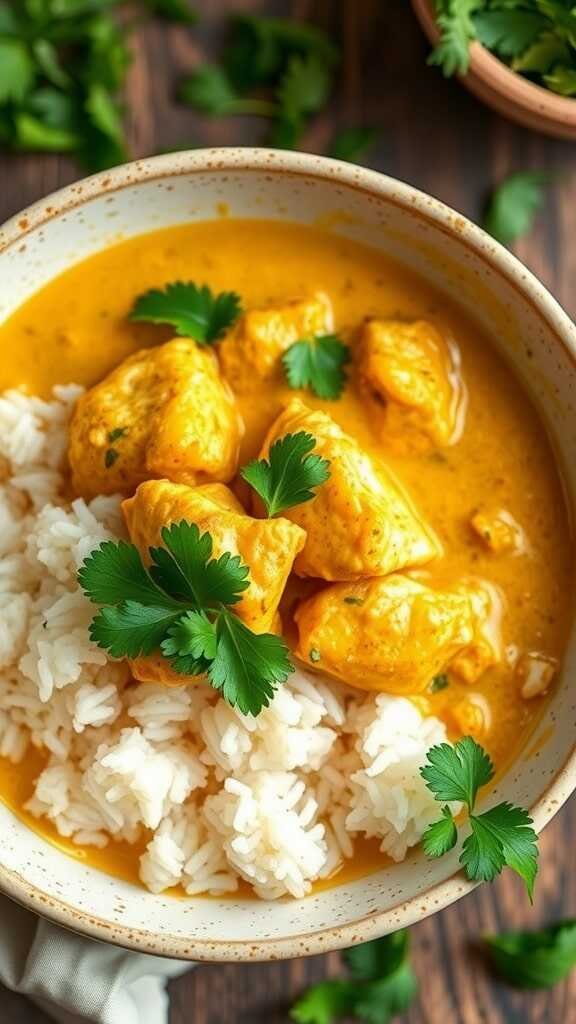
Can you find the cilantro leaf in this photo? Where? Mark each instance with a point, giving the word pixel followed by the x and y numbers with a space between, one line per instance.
pixel 173 10
pixel 194 312
pixel 508 32
pixel 114 572
pixel 513 205
pixel 325 1003
pixel 457 772
pixel 317 364
pixel 247 666
pixel 209 90
pixel 193 635
pixel 17 72
pixel 102 109
pixel 441 836
pixel 352 143
pixel 382 985
pixel 546 51
pixel 380 1001
pixel 259 46
pixel 181 607
pixel 184 569
pixel 509 829
pixel 457 30
pixel 562 80
pixel 305 87
pixel 131 629
pixel 370 961
pixel 290 475
pixel 535 959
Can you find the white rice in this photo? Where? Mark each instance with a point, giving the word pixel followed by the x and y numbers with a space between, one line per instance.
pixel 276 800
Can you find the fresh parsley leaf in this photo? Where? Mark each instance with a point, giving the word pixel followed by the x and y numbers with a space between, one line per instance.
pixel 247 666
pixel 131 629
pixel 325 1003
pixel 352 144
pixel 193 311
pixel 508 32
pixel 185 569
pixel 513 205
pixel 457 772
pixel 535 959
pixel 317 364
pixel 209 90
pixel 373 960
pixel 440 682
pixel 502 835
pixel 290 474
pixel 457 30
pixel 305 87
pixel 441 836
pixel 17 71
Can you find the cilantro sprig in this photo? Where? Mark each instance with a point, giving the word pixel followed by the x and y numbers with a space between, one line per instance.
pixel 514 204
pixel 537 39
pixel 290 475
pixel 193 311
pixel 318 364
pixel 381 984
pixel 534 959
pixel 502 836
pixel 182 606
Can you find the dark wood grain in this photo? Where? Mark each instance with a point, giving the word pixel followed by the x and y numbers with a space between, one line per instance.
pixel 435 136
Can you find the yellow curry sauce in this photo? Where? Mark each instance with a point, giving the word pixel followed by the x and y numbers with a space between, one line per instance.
pixel 76 329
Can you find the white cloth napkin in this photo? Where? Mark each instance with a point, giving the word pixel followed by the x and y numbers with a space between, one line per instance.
pixel 77 980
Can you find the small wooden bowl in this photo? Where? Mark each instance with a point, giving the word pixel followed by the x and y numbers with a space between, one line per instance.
pixel 505 91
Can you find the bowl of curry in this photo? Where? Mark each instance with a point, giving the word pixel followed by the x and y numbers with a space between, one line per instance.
pixel 287 550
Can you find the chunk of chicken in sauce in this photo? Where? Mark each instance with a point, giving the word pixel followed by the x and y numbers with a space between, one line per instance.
pixel 498 532
pixel 361 522
pixel 412 374
pixel 267 546
pixel 393 634
pixel 164 411
pixel 486 648
pixel 251 351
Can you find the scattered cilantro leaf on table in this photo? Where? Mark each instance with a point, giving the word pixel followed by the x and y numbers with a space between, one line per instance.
pixel 514 204
pixel 534 959
pixel 318 364
pixel 193 311
pixel 209 90
pixel 352 144
pixel 181 606
pixel 502 836
pixel 290 475
pixel 381 985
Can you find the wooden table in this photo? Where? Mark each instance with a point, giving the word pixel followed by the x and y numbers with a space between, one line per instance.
pixel 435 136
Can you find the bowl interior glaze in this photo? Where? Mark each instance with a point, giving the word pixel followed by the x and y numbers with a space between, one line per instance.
pixel 534 335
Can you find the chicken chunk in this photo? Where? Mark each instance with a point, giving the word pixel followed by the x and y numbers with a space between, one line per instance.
pixel 393 634
pixel 499 532
pixel 412 374
pixel 251 351
pixel 486 648
pixel 267 546
pixel 360 523
pixel 163 412
pixel 536 673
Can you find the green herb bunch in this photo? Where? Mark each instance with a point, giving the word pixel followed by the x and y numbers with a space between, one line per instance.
pixel 62 67
pixel 272 67
pixel 537 38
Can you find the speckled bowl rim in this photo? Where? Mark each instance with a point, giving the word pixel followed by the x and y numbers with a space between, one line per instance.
pixel 442 218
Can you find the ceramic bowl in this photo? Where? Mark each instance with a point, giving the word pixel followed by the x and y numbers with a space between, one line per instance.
pixel 533 334
pixel 512 95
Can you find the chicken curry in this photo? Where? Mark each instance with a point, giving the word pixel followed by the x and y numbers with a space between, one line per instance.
pixel 432 563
